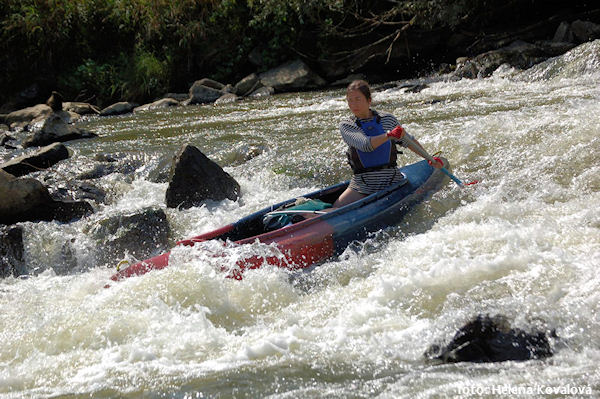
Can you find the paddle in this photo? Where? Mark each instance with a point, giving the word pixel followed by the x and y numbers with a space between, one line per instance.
pixel 421 151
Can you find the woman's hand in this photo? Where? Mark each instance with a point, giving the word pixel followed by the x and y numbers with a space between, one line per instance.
pixel 396 133
pixel 438 163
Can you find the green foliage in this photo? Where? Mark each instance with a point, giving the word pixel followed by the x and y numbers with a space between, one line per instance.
pixel 136 49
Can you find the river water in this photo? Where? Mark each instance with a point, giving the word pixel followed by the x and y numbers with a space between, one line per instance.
pixel 524 242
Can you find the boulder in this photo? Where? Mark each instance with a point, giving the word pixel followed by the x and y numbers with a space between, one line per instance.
pixel 247 85
pixel 22 117
pixel 80 108
pixel 55 101
pixel 162 103
pixel 519 54
pixel 263 91
pixel 194 178
pixel 160 172
pixel 56 129
pixel 141 234
pixel 563 33
pixel 585 31
pixel 294 75
pixel 26 199
pixel 119 108
pixel 11 251
pixel 41 159
pixel 213 84
pixel 201 94
pixel 177 96
pixel 491 339
pixel 227 98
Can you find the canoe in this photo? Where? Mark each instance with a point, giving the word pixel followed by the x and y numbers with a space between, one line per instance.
pixel 322 236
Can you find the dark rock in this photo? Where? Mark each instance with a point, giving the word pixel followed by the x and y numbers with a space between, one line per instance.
pixel 98 171
pixel 263 91
pixel 294 75
pixel 585 31
pixel 66 211
pixel 105 158
pixel 26 199
pixel 213 84
pixel 227 98
pixel 80 108
pixel 41 159
pixel 563 33
pixel 200 94
pixel 491 339
pixel 119 108
pixel 141 235
pixel 161 172
pixel 247 85
pixel 177 96
pixel 55 101
pixel 80 191
pixel 56 130
pixel 5 138
pixel 553 48
pixel 111 164
pixel 519 54
pixel 228 88
pixel 11 251
pixel 194 178
pixel 162 103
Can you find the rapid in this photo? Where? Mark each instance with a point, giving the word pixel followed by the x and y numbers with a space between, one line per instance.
pixel 523 242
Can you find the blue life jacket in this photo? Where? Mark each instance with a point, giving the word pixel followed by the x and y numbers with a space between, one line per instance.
pixel 382 157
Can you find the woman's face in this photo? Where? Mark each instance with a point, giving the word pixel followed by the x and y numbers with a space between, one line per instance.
pixel 358 104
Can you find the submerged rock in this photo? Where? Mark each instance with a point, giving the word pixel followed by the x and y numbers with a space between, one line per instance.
pixel 56 129
pixel 491 339
pixel 194 178
pixel 11 251
pixel 141 235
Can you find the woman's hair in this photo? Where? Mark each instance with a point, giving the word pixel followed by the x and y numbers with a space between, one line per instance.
pixel 361 86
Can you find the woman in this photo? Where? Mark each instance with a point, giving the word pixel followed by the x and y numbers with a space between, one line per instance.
pixel 370 136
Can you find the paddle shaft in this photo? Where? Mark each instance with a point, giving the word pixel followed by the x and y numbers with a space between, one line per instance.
pixel 421 151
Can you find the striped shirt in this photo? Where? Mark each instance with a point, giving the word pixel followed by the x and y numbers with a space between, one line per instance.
pixel 354 136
